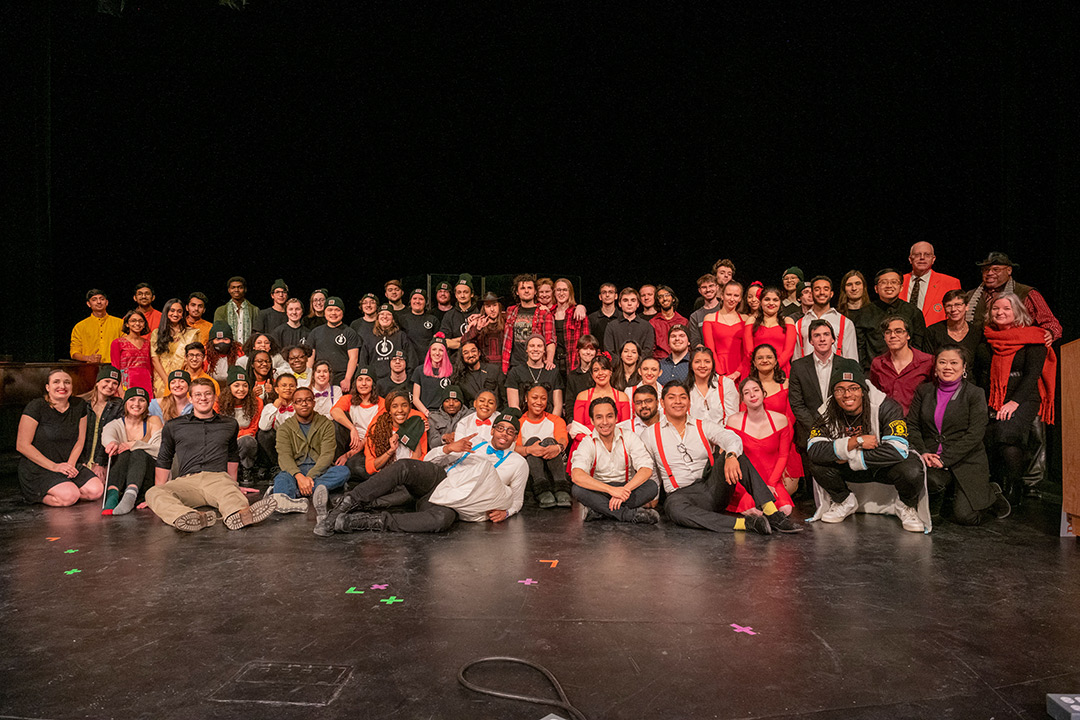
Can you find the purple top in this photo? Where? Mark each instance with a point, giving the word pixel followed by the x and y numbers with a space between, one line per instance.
pixel 945 392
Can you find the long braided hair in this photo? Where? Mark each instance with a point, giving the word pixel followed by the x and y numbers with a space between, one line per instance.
pixel 378 435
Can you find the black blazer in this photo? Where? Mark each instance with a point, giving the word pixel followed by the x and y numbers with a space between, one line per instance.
pixel 961 437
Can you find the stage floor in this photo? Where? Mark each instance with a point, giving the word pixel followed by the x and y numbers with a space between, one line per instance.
pixel 128 618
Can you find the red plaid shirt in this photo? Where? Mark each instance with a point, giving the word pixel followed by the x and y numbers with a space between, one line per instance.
pixel 542 324
pixel 574 331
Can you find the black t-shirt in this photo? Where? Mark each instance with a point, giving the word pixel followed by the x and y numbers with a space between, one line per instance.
pixel 333 344
pixel 269 318
pixel 384 386
pixel 487 377
pixel 523 328
pixel 419 328
pixel 577 382
pixel 430 388
pixel 522 377
pixel 286 336
pixel 56 432
pixel 598 323
pixel 455 321
pixel 380 348
pixel 362 327
pixel 314 322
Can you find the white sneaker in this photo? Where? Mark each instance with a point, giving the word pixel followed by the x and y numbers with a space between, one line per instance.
pixel 838 511
pixel 286 504
pixel 909 518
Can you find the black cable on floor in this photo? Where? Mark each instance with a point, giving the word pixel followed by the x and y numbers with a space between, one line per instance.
pixel 564 704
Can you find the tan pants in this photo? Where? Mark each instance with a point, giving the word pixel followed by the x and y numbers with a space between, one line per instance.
pixel 182 495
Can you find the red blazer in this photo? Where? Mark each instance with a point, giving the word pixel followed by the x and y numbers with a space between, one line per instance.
pixel 933 310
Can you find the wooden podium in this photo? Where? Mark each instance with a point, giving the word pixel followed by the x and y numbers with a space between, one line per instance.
pixel 1070 434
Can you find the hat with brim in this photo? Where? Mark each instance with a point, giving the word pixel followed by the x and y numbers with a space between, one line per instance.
pixel 490 297
pixel 996 258
pixel 411 432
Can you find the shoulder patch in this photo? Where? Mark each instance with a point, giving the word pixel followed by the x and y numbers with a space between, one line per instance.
pixel 898 428
pixel 817 431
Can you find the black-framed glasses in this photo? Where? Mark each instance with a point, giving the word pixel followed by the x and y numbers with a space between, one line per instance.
pixel 685 453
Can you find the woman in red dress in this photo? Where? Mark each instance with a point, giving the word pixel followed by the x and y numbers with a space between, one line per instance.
pixel 723 332
pixel 766 437
pixel 774 382
pixel 769 327
pixel 130 353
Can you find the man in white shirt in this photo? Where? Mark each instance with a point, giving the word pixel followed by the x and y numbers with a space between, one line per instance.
pixel 698 482
pixel 475 483
pixel 846 340
pixel 611 470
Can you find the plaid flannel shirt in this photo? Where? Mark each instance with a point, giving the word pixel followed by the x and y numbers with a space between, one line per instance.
pixel 542 324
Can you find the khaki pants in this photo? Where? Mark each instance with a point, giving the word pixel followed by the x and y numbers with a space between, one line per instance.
pixel 180 496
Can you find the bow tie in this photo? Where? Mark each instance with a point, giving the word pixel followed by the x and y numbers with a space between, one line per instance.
pixel 498 453
pixel 484 422
pixel 323 394
pixel 286 409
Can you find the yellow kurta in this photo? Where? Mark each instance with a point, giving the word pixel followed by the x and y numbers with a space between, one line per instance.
pixel 95 335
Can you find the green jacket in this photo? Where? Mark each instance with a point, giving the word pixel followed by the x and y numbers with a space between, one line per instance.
pixel 292 446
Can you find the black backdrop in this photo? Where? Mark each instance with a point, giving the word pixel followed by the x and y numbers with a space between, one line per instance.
pixel 183 142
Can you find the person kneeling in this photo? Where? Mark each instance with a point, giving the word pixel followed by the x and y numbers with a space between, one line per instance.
pixel 699 486
pixel 204 446
pixel 863 438
pixel 485 482
pixel 305 450
pixel 611 470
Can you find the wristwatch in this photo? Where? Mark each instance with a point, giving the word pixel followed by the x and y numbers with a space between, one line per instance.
pixel 732 455
pixel 858 441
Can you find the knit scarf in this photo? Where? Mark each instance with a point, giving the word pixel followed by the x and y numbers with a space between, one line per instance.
pixel 1006 343
pixel 977 293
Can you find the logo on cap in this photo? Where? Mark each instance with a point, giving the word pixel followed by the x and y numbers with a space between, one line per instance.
pixel 219 335
pixel 452 394
pixel 404 439
pixel 849 376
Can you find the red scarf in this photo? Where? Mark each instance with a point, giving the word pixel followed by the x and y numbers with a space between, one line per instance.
pixel 1005 344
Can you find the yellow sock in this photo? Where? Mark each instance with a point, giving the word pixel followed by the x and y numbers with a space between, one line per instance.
pixel 769 508
pixel 740 524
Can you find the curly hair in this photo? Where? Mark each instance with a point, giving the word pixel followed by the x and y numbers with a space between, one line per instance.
pixel 378 435
pixel 227 404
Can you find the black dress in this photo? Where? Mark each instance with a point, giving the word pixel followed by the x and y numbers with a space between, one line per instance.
pixel 938 335
pixel 55 436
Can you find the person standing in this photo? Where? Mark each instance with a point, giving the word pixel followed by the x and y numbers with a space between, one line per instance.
pixel 923 287
pixel 275 315
pixel 91 339
pixel 456 320
pixel 628 326
pixel 955 328
pixel 723 332
pixel 238 312
pixel 522 322
pixel 131 353
pixel 168 344
pixel 665 318
pixel 708 290
pixel 292 332
pixel 599 319
pixel 847 343
pixel 997 279
pixel 855 304
pixel 193 315
pixel 887 284
pixel 336 343
pixel 419 325
pixel 203 446
pixel 144 298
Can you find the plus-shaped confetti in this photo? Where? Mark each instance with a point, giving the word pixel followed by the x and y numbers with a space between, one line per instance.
pixel 740 629
pixel 529 581
pixel 391 600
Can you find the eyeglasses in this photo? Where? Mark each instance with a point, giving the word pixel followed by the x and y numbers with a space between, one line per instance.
pixel 304 401
pixel 841 392
pixel 685 453
pixel 889 283
pixel 891 331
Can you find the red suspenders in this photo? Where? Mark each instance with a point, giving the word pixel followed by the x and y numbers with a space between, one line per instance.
pixel 626 458
pixel 663 457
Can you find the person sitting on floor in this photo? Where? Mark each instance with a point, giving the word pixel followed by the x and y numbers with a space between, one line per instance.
pixel 132 442
pixel 542 442
pixel 203 444
pixel 612 470
pixel 699 485
pixel 478 482
pixel 479 421
pixel 305 448
pixel 863 438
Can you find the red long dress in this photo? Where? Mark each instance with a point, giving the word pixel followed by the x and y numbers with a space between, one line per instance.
pixel 134 364
pixel 769 456
pixel 726 342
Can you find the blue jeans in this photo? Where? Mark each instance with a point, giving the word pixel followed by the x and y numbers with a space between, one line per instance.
pixel 333 477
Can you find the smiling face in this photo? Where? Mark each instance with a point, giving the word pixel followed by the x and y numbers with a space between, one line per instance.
pixel 297 360
pixel 393 293
pixel 629 354
pixel 193 361
pixel 650 370
pixel 294 311
pixel 676 401
pixel 417 304
pixel 822 292
pixel 587 354
pixel 485 404
pixel 178 387
pixel 237 290
pixel 665 299
pixel 136 406
pixel 384 319
pixel 195 308
pixel 708 290
pixel 753 298
pixel 526 291
pixel 1002 313
pixel 399 409
pixel 368 306
pixel 994 276
pixel 98 303
pixel 790 281
pixel 143 297
pixel 442 296
pixel 279 296
pixel 678 342
pixel 536 400
pixel 854 287
pixel 765 361
pixel 107 387
pixel 285 387
pixel 949 366
pixel 604 419
pixel 334 315
pixel 822 340
pixel 202 397
pixel 545 294
pixel 921 257
pixel 888 286
pixel 261 342
pixel 732 296
pixel 723 275
pixel 534 350
pixel 58 386
pixel 318 302
pixel 503 436
pixel 770 303
pixel 562 292
pixel 363 385
pixel 175 313
pixel 438 353
pixel 849 397
pixel 321 376
pixel 702 366
pixel 601 375
pixel 646 406
pixel 470 354
pixel 260 364
pixel 239 389
pixel 955 309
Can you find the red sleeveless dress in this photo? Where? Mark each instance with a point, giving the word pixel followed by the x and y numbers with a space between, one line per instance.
pixel 769 456
pixel 726 342
pixel 781 337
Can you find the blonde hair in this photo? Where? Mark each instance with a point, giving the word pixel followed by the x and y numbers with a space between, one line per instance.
pixel 1023 317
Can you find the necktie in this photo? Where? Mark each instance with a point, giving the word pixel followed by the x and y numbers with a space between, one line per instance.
pixel 915 283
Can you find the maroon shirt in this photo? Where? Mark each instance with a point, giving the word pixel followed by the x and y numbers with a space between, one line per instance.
pixel 901 386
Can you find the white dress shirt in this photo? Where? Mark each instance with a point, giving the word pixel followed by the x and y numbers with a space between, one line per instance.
pixel 475 485
pixel 687 464
pixel 611 466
